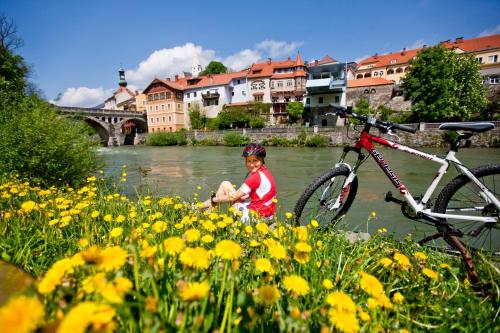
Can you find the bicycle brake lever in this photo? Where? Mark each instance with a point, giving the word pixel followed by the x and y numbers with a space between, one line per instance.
pixel 391 133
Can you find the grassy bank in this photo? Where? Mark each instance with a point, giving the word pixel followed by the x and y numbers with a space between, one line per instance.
pixel 106 262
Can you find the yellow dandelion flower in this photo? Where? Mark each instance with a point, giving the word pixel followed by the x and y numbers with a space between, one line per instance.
pixel 319 244
pixel 120 218
pixel 21 315
pixel 301 257
pixel 341 302
pixel 173 245
pixel 159 226
pixel 327 284
pixel 207 239
pixel 112 258
pixel 264 265
pixel 85 314
pixel 288 215
pixel 65 221
pixel 385 262
pixel 82 242
pixel 275 249
pixel 208 225
pixel 248 229
pixel 254 243
pixel 194 291
pixel 303 247
pixel 116 232
pixel 370 284
pixel 402 261
pixel 54 275
pixel 430 273
pixel 262 228
pixel 420 256
pixel 296 285
pixel 444 265
pixel 398 298
pixel 228 250
pixel 373 214
pixel 28 206
pixel 197 258
pixel 192 235
pixel 363 315
pixel 345 322
pixel 268 294
pixel 108 218
pixel 95 214
pixel 295 312
pixel 53 222
pixel 301 233
pixel 314 224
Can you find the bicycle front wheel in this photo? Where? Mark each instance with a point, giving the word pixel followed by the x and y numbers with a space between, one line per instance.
pixel 463 197
pixel 327 199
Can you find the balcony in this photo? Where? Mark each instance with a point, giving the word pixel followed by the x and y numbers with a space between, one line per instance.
pixel 210 95
pixel 326 85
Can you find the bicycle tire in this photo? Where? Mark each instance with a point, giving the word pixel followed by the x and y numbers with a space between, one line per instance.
pixel 307 197
pixel 461 195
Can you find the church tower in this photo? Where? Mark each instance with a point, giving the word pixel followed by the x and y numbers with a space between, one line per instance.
pixel 122 82
pixel 196 67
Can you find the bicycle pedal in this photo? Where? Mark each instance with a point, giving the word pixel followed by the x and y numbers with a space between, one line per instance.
pixel 390 198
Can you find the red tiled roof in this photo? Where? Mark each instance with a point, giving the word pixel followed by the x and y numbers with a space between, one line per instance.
pixel 169 84
pixel 326 60
pixel 367 82
pixel 384 60
pixel 289 75
pixel 298 61
pixel 475 44
pixel 266 69
pixel 124 89
pixel 209 80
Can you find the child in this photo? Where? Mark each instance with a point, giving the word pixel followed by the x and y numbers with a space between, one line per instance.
pixel 257 192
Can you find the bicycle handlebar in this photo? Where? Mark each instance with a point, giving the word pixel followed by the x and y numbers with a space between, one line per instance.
pixel 384 126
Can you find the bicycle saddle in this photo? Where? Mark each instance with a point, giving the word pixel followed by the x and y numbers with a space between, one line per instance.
pixel 469 127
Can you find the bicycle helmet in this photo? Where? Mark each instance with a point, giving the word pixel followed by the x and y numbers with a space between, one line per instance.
pixel 254 149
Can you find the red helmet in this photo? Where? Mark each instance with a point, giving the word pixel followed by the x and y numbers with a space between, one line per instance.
pixel 254 149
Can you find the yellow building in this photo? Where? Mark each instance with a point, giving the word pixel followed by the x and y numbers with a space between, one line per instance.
pixel 141 102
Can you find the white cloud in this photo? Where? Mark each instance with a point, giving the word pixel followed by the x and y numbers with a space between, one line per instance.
pixel 242 59
pixel 278 48
pixel 167 63
pixel 83 97
pixel 416 44
pixel 492 31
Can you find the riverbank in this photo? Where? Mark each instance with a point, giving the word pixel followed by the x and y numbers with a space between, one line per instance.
pixel 110 262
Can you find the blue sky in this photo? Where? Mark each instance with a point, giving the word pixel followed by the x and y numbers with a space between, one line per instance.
pixel 76 47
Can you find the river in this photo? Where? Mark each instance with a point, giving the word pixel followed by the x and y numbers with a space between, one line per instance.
pixel 181 170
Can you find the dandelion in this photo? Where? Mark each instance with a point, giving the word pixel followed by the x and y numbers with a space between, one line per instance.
pixel 192 235
pixel 420 256
pixel 116 232
pixel 197 258
pixel 173 245
pixel 402 261
pixel 21 314
pixel 54 275
pixel 84 314
pixel 262 228
pixel 398 298
pixel 370 284
pixel 288 215
pixel 207 239
pixel 295 313
pixel 264 265
pixel 302 233
pixel 297 285
pixel 28 206
pixel 430 273
pixel 268 294
pixel 254 243
pixel 385 262
pixel 344 321
pixel 363 315
pixel 194 291
pixel 327 284
pixel 112 258
pixel 275 249
pixel 373 214
pixel 82 242
pixel 228 250
pixel 303 247
pixel 108 218
pixel 314 223
pixel 341 302
pixel 95 214
pixel 65 221
pixel 119 219
pixel 159 226
pixel 444 265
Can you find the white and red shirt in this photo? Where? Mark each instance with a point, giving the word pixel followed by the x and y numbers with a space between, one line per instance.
pixel 261 188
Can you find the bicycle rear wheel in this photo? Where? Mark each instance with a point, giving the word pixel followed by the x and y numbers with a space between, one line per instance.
pixel 462 197
pixel 318 202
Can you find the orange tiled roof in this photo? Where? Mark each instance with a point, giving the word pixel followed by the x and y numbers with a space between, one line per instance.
pixel 209 80
pixel 475 44
pixel 170 84
pixel 289 75
pixel 265 69
pixel 384 60
pixel 325 60
pixel 367 82
pixel 124 89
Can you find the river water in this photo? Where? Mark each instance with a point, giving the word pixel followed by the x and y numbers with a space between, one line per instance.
pixel 180 170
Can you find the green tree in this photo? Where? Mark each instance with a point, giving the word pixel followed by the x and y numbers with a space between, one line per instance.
pixel 196 117
pixel 214 67
pixel 295 110
pixel 444 85
pixel 363 106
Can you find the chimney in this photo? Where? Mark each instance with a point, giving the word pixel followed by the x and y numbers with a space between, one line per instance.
pixel 176 78
pixel 404 51
pixel 316 62
pixel 289 58
pixel 268 61
pixel 459 40
pixel 375 56
pixel 168 79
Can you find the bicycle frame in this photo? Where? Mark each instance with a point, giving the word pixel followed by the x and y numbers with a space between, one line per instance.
pixel 421 208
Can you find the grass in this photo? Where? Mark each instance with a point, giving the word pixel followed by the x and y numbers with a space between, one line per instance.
pixel 155 264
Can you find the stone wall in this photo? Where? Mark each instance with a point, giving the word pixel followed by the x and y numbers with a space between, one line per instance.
pixel 430 136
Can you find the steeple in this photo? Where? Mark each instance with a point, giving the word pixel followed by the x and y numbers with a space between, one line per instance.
pixel 196 67
pixel 298 61
pixel 122 82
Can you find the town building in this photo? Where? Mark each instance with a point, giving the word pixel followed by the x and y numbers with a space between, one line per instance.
pixel 165 106
pixel 123 98
pixel 277 82
pixel 326 86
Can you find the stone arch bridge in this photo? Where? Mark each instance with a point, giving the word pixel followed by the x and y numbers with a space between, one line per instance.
pixel 115 127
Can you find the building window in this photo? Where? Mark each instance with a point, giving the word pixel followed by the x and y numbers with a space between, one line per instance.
pixel 308 100
pixel 189 105
pixel 493 58
pixel 368 75
pixel 162 95
pixel 272 84
pixel 337 99
pixel 287 99
pixel 156 107
pixel 324 122
pixel 381 73
pixel 187 95
pixel 375 73
pixel 157 120
pixel 289 83
pixel 399 70
pixel 280 84
pixel 194 94
pixel 258 98
pixel 373 91
pixel 359 76
pixel 156 96
pixel 390 71
pixel 178 106
pixel 168 106
pixel 163 106
pixel 320 100
pixel 275 99
pixel 152 121
pixel 143 103
pixel 238 81
pixel 494 80
pixel 150 108
pixel 479 60
pixel 366 91
pixel 163 120
pixel 169 119
pixel 168 95
pixel 150 98
pixel 178 95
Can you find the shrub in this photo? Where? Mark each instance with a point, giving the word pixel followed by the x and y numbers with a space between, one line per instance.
pixel 302 137
pixel 450 136
pixel 196 117
pixel 317 141
pixel 166 139
pixel 235 139
pixel 208 141
pixel 257 122
pixel 39 144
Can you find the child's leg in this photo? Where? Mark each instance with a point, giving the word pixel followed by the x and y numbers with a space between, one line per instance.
pixel 224 189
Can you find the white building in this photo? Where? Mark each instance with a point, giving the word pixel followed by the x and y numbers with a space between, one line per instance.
pixel 122 98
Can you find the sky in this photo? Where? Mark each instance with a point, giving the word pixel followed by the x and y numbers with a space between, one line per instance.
pixel 75 48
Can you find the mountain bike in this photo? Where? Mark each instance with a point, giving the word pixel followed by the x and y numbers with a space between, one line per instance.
pixel 465 213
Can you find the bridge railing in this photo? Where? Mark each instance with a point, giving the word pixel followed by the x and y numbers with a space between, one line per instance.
pixel 74 109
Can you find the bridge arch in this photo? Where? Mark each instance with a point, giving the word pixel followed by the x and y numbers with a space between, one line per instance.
pixel 101 128
pixel 130 128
